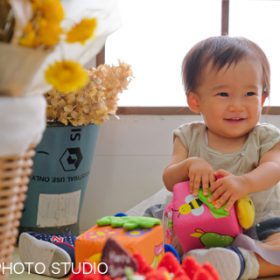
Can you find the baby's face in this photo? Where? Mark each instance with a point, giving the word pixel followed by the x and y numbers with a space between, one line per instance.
pixel 230 100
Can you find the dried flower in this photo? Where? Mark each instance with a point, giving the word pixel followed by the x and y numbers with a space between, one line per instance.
pixel 43 29
pixel 82 31
pixel 94 103
pixel 66 76
pixel 51 10
pixel 28 38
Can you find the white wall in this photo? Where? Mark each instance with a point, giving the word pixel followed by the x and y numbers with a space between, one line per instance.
pixel 130 156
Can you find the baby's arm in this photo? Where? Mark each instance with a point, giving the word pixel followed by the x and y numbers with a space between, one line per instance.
pixel 267 174
pixel 227 190
pixel 182 167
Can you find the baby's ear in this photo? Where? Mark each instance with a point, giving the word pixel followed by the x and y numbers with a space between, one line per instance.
pixel 193 102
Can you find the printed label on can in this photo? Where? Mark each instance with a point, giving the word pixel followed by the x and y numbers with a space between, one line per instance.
pixel 58 209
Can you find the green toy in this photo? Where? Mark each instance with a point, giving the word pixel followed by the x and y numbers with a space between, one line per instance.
pixel 128 222
pixel 213 239
pixel 217 213
pixel 245 209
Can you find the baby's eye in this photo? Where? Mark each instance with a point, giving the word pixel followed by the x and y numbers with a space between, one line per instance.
pixel 223 94
pixel 250 93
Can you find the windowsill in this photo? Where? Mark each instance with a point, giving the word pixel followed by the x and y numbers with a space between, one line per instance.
pixel 139 110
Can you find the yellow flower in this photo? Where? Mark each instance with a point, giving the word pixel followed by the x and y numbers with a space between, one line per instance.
pixel 82 31
pixel 28 38
pixel 66 76
pixel 48 33
pixel 44 27
pixel 52 10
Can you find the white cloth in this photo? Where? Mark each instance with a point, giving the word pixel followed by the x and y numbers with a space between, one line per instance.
pixel 163 196
pixel 22 123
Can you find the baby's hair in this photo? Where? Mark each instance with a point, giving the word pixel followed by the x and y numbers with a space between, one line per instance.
pixel 221 51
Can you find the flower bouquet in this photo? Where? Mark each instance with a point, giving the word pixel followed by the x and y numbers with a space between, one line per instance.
pixel 62 163
pixel 80 98
pixel 42 38
pixel 94 103
pixel 41 42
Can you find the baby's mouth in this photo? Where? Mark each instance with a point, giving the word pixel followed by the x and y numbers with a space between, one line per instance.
pixel 235 119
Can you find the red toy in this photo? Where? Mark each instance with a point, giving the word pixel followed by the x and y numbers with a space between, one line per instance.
pixel 168 266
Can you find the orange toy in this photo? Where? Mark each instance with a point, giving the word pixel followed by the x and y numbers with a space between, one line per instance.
pixel 146 241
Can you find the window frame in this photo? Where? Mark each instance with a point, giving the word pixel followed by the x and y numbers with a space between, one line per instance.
pixel 178 110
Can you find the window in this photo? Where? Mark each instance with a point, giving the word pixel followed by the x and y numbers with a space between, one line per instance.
pixel 260 22
pixel 155 35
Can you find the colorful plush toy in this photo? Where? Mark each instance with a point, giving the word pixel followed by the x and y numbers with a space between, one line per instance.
pixel 122 265
pixel 135 233
pixel 194 222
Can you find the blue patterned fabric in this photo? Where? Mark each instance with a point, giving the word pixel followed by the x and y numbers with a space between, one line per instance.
pixel 64 241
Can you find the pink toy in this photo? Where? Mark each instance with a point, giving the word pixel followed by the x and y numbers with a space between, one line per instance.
pixel 196 223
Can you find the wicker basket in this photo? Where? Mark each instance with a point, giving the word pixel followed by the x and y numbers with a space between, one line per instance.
pixel 14 177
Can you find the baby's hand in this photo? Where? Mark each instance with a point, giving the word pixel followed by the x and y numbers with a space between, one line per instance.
pixel 200 173
pixel 221 173
pixel 227 190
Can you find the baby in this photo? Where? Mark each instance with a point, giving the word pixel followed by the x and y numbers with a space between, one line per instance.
pixel 227 81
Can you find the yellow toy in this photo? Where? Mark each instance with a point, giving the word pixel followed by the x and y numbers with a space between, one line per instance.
pixel 245 211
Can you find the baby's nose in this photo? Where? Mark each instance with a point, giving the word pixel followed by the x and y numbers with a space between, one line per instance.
pixel 236 104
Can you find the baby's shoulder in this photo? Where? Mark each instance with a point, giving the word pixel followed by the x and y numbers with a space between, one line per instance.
pixel 192 127
pixel 264 131
pixel 264 137
pixel 190 133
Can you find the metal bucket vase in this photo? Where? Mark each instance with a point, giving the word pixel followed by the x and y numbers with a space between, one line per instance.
pixel 60 176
